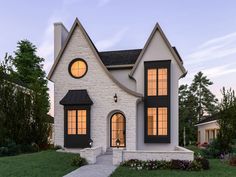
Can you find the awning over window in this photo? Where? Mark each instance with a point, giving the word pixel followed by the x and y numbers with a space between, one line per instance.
pixel 76 97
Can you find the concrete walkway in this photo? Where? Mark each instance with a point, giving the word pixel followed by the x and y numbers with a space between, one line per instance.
pixel 103 168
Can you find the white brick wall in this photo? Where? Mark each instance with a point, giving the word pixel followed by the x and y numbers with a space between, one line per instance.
pixel 100 88
pixel 179 153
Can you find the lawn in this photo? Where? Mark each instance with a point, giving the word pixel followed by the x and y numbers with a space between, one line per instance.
pixel 217 168
pixel 41 164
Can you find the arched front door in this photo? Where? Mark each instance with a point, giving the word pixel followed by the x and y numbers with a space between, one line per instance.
pixel 117 127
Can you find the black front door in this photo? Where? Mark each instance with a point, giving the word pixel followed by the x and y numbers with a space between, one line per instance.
pixel 77 127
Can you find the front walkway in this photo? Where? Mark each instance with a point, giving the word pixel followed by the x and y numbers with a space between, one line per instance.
pixel 102 168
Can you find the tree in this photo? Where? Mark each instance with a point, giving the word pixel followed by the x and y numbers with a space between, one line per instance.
pixel 29 70
pixel 187 115
pixel 206 101
pixel 227 120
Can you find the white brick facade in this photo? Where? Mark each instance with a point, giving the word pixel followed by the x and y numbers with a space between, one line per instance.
pixel 101 90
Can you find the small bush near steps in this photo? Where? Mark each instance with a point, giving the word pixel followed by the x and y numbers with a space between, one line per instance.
pixel 195 165
pixel 78 161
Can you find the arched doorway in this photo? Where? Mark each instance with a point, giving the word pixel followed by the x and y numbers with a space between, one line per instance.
pixel 117 129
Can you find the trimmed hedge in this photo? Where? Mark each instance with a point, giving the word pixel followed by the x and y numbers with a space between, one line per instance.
pixel 78 161
pixel 195 165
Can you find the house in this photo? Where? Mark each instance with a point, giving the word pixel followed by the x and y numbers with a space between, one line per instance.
pixel 208 129
pixel 123 101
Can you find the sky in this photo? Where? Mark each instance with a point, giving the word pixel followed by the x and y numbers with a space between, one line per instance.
pixel 204 31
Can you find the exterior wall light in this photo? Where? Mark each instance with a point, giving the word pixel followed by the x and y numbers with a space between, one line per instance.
pixel 90 143
pixel 115 98
pixel 117 143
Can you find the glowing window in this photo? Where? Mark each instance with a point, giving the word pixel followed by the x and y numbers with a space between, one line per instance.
pixel 152 121
pixel 81 122
pixel 162 121
pixel 152 82
pixel 118 129
pixel 71 122
pixel 78 68
pixel 162 81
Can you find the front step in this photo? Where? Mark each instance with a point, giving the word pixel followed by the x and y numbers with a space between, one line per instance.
pixel 109 151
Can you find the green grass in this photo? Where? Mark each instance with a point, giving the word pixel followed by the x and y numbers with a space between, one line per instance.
pixel 41 164
pixel 217 168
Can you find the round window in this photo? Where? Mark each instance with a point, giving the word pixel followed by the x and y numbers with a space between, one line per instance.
pixel 78 68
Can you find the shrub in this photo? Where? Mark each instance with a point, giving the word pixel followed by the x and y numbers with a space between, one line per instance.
pixel 204 163
pixel 232 161
pixel 78 161
pixel 195 165
pixel 214 150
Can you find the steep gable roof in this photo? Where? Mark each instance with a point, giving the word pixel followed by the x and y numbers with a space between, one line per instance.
pixel 95 51
pixel 172 50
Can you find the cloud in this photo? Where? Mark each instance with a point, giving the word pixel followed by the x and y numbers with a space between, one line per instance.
pixel 112 41
pixel 219 70
pixel 214 49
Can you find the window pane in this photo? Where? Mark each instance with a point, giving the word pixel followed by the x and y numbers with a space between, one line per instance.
pixel 152 121
pixel 151 82
pixel 162 81
pixel 81 122
pixel 71 122
pixel 118 129
pixel 162 121
pixel 78 68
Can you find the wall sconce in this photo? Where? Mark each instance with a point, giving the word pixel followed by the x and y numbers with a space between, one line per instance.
pixel 90 143
pixel 117 143
pixel 115 98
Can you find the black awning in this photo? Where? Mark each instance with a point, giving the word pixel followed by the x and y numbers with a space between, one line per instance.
pixel 76 97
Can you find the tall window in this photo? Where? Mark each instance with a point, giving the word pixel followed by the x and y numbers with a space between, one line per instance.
pixel 157 101
pixel 162 81
pixel 152 82
pixel 152 121
pixel 81 122
pixel 71 122
pixel 118 129
pixel 162 121
pixel 76 122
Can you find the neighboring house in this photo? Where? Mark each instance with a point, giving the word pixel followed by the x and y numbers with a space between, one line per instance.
pixel 125 98
pixel 208 129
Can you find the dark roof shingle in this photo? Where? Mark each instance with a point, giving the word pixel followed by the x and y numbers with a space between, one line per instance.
pixel 120 57
pixel 76 97
pixel 208 119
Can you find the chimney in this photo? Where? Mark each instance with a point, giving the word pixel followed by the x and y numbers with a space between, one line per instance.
pixel 60 35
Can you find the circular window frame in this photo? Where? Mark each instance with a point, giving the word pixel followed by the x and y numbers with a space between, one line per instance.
pixel 72 62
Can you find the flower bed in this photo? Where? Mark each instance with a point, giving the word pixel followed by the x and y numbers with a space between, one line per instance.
pixel 195 165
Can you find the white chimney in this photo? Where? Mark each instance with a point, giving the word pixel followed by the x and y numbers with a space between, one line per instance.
pixel 60 35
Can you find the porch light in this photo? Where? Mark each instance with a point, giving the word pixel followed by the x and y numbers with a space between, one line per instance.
pixel 117 143
pixel 115 98
pixel 90 143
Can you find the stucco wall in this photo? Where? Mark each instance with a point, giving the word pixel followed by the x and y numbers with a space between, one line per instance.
pixel 122 75
pixel 158 50
pixel 204 127
pixel 100 88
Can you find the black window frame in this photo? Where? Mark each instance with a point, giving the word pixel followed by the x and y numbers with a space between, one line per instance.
pixel 77 140
pixel 157 101
pixel 72 62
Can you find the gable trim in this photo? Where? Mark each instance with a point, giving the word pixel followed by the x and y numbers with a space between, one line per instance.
pixel 93 48
pixel 177 58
